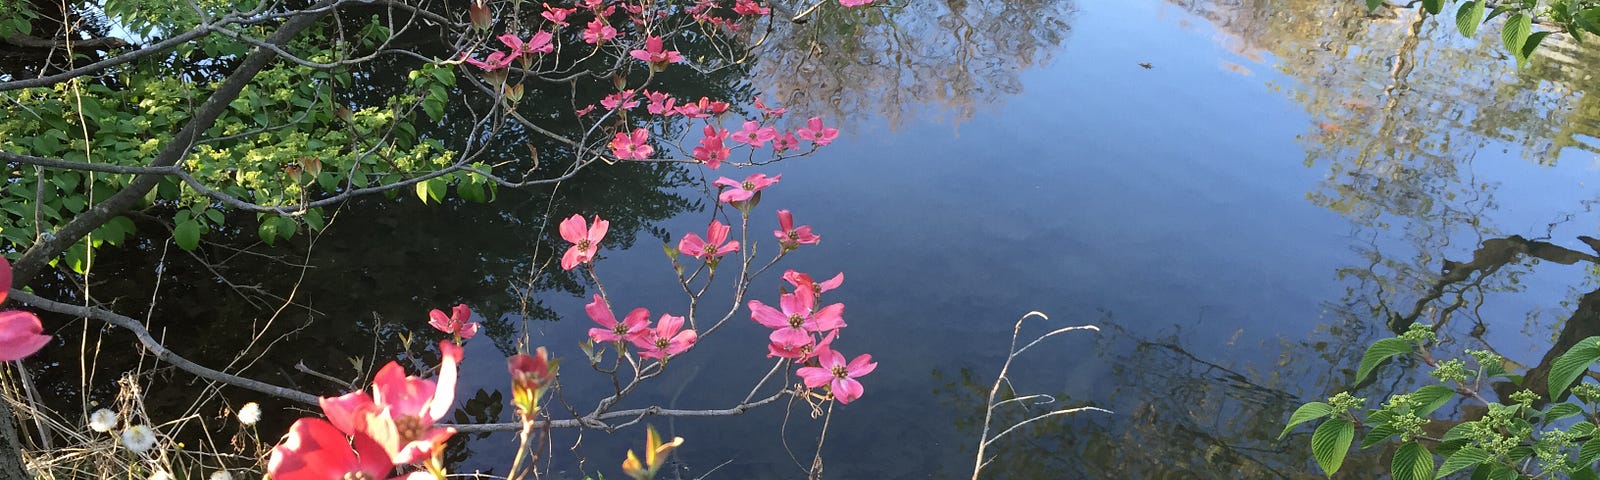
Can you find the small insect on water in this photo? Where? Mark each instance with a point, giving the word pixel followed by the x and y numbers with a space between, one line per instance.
pixel 1146 65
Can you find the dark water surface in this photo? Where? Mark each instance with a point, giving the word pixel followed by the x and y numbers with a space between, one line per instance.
pixel 1240 218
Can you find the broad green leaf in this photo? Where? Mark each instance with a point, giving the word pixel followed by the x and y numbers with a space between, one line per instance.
pixel 1373 4
pixel 1584 473
pixel 1463 458
pixel 286 227
pixel 1533 44
pixel 1516 32
pixel 187 235
pixel 1331 442
pixel 1308 412
pixel 313 219
pixel 1433 6
pixel 1562 410
pixel 1569 366
pixel 1379 351
pixel 1581 429
pixel 1469 16
pixel 1589 452
pixel 1412 462
pixel 422 191
pixel 268 230
pixel 1431 398
pixel 1377 435
pixel 437 187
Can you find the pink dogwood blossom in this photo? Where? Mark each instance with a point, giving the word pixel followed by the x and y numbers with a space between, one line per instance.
pixel 598 31
pixel 457 323
pixel 712 246
pixel 704 108
pixel 660 103
pixel 655 53
pixel 775 112
pixel 839 376
pixel 711 149
pixel 315 450
pixel 784 142
pixel 632 147
pixel 495 61
pixel 401 413
pixel 624 100
pixel 802 281
pixel 629 329
pixel 585 239
pixel 21 334
pixel 816 132
pixel 803 352
pixel 741 191
pixel 557 15
pixel 750 7
pixel 668 338
pixel 791 237
pixel 794 324
pixel 754 134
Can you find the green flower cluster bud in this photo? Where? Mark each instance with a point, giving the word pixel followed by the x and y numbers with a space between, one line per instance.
pixel 1344 401
pixel 1420 334
pixel 1525 397
pixel 1452 370
pixel 1587 392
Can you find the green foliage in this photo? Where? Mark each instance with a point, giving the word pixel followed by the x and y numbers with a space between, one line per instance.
pixel 1508 441
pixel 1571 17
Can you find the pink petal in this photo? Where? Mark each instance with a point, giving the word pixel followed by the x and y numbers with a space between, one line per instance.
pixel 600 312
pixel 668 325
pixel 574 228
pixel 444 393
pixel 861 365
pixel 347 411
pixel 439 321
pixel 790 337
pixel 767 316
pixel 20 335
pixel 814 376
pixel 846 390
pixel 828 318
pixel 832 283
pixel 598 232
pixel 570 259
pixel 692 245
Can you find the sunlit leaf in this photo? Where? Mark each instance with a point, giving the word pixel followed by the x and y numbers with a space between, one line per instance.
pixel 1463 458
pixel 1432 397
pixel 1469 16
pixel 1331 442
pixel 1567 367
pixel 1379 351
pixel 1516 32
pixel 1308 412
pixel 1412 461
pixel 187 234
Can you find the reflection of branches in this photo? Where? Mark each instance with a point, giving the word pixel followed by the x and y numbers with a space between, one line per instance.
pixel 984 439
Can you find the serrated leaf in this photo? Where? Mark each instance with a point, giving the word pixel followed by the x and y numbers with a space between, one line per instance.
pixel 1502 472
pixel 1331 442
pixel 1589 452
pixel 1412 461
pixel 1469 16
pixel 187 235
pixel 1433 6
pixel 1308 412
pixel 1561 410
pixel 1432 397
pixel 1377 435
pixel 1569 366
pixel 1581 429
pixel 1379 351
pixel 1463 458
pixel 1516 32
pixel 1584 473
pixel 1533 44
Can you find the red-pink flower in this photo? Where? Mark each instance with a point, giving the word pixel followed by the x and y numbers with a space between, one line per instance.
pixel 629 329
pixel 785 142
pixel 704 108
pixel 315 450
pixel 635 146
pixel 586 110
pixel 803 281
pixel 666 339
pixel 538 43
pixel 402 410
pixel 839 376
pixel 791 237
pixel 591 4
pixel 816 132
pixel 711 149
pixel 741 191
pixel 754 134
pixel 776 112
pixel 623 99
pixel 598 31
pixel 495 61
pixel 793 326
pixel 660 103
pixel 712 246
pixel 458 323
pixel 585 239
pixel 21 334
pixel 855 3
pixel 750 7
pixel 656 54
pixel 803 352
pixel 556 15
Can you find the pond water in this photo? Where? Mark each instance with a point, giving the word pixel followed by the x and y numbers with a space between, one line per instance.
pixel 1241 195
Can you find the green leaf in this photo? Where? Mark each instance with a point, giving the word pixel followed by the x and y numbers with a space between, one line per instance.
pixel 437 187
pixel 1463 458
pixel 1308 412
pixel 1584 473
pixel 1412 462
pixel 1331 442
pixel 1561 410
pixel 1516 32
pixel 1569 366
pixel 1589 452
pixel 1378 434
pixel 1533 44
pixel 1433 6
pixel 286 227
pixel 187 235
pixel 1581 429
pixel 1379 351
pixel 1432 397
pixel 313 219
pixel 1373 4
pixel 269 230
pixel 422 191
pixel 1469 16
pixel 1502 472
